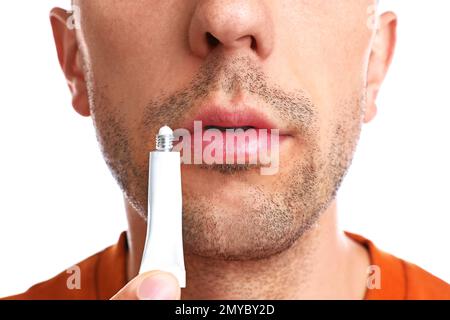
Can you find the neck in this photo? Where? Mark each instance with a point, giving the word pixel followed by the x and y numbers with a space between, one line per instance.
pixel 323 264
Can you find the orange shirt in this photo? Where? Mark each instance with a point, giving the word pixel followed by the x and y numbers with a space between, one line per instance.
pixel 103 274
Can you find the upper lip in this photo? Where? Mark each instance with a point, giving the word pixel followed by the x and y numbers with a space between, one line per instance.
pixel 238 116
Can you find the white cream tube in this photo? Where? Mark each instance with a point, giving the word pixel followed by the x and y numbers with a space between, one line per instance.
pixel 164 242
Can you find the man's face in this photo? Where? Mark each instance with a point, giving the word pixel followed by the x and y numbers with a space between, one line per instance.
pixel 302 64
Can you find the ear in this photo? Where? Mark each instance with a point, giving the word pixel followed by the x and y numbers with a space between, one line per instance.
pixel 70 59
pixel 381 55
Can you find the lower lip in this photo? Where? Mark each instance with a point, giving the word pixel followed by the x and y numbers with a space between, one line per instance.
pixel 236 147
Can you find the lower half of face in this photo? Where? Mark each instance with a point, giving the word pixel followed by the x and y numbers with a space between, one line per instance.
pixel 233 211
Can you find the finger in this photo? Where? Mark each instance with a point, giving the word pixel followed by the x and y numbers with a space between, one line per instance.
pixel 153 285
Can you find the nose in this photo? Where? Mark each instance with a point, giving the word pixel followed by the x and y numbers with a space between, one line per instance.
pixel 243 25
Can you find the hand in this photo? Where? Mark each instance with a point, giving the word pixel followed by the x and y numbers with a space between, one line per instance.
pixel 153 285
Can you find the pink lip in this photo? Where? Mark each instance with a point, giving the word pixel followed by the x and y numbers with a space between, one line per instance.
pixel 215 116
pixel 250 147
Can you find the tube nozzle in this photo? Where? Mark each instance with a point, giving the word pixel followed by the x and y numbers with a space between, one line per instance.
pixel 164 139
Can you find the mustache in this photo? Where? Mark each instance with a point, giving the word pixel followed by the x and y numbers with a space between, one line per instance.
pixel 231 76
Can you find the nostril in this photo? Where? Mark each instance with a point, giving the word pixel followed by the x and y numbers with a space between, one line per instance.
pixel 211 40
pixel 253 44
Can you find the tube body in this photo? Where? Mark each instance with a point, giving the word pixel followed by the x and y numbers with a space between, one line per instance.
pixel 164 242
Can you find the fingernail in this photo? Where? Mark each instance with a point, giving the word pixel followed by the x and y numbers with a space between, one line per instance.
pixel 160 286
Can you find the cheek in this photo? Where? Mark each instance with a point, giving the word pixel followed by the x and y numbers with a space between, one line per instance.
pixel 135 50
pixel 326 47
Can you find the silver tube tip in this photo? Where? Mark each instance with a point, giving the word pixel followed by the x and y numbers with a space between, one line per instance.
pixel 164 139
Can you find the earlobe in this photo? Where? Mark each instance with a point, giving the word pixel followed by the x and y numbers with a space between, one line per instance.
pixel 69 59
pixel 381 55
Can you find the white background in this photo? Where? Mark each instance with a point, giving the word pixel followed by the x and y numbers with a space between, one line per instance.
pixel 59 204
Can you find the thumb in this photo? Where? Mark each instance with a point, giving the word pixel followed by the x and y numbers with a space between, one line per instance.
pixel 153 285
